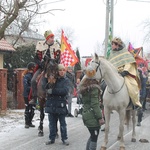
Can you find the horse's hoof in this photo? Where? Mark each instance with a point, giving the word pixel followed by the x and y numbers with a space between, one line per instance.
pixel 133 140
pixel 103 148
pixel 40 134
pixel 122 148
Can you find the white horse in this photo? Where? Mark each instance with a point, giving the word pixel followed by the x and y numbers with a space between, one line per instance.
pixel 115 97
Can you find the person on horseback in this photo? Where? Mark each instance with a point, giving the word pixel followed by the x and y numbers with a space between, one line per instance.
pixel 29 108
pixel 92 113
pixel 45 50
pixel 125 63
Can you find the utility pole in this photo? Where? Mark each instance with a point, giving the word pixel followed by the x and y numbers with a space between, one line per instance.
pixel 109 18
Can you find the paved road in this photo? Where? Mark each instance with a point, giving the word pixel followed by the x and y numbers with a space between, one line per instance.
pixel 27 139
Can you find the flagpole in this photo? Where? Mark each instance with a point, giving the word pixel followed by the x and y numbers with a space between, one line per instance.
pixel 106 27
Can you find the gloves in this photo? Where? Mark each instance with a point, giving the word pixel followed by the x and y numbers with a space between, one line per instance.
pixel 124 73
pixel 49 91
pixel 101 121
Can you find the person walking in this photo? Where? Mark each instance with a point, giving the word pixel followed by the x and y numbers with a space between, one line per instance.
pixel 143 72
pixel 125 63
pixel 56 106
pixel 92 113
pixel 71 76
pixel 44 50
pixel 29 108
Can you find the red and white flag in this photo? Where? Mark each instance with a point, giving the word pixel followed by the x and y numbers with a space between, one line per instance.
pixel 68 56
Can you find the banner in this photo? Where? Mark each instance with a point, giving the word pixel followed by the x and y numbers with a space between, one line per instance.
pixel 109 41
pixel 68 56
pixel 134 51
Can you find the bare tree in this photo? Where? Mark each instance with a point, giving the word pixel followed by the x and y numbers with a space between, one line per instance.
pixel 146 26
pixel 21 13
pixel 99 49
pixel 69 33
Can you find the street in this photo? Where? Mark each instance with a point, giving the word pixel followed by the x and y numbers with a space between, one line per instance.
pixel 27 139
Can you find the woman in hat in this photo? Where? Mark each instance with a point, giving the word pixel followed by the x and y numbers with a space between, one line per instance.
pixel 92 114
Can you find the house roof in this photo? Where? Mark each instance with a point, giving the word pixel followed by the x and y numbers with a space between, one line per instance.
pixel 5 46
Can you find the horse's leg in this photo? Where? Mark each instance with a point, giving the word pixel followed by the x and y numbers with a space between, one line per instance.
pixel 42 115
pixel 107 120
pixel 121 128
pixel 133 122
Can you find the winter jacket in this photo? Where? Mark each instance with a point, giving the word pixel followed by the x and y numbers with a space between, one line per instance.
pixel 71 78
pixel 91 106
pixel 27 83
pixel 56 101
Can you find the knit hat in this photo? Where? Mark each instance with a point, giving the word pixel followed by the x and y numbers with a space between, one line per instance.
pixel 48 34
pixel 90 72
pixel 61 66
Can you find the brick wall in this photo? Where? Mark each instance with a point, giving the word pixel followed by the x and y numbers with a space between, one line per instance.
pixel 3 89
pixel 19 92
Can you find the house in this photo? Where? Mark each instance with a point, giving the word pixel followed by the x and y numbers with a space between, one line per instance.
pixel 28 37
pixel 5 47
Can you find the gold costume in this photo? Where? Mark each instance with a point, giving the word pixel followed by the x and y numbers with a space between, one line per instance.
pixel 124 61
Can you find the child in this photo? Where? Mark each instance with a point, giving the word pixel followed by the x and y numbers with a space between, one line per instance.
pixel 29 108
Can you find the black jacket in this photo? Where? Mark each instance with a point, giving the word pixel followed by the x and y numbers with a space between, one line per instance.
pixel 56 102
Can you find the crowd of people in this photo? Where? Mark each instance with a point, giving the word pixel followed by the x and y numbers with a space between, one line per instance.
pixel 59 98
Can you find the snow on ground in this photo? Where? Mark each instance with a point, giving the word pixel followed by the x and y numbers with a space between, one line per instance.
pixel 15 118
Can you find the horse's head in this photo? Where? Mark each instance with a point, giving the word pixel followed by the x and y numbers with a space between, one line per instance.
pixel 95 63
pixel 52 71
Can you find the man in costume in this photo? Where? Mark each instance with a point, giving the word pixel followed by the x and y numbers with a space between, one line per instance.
pixel 45 50
pixel 125 63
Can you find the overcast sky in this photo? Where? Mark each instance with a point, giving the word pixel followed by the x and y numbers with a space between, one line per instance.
pixel 87 19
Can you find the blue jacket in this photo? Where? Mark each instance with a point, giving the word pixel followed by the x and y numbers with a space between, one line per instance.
pixel 27 83
pixel 56 102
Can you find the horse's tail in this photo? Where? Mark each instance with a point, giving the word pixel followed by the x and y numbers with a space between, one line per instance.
pixel 127 118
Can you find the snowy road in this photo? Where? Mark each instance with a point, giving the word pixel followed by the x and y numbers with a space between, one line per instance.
pixel 13 135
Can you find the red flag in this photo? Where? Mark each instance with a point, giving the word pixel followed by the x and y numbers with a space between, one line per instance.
pixel 134 51
pixel 68 56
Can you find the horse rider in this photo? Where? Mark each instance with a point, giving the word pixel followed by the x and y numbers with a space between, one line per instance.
pixel 29 108
pixel 125 63
pixel 44 50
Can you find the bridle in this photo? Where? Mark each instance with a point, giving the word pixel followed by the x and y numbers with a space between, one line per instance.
pixel 98 68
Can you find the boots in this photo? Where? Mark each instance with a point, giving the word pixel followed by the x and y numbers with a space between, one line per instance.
pixel 92 146
pixel 31 115
pixel 26 119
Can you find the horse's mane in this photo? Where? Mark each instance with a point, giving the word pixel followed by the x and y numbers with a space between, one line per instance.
pixel 104 61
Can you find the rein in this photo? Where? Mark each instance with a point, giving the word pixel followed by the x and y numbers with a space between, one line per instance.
pixel 118 90
pixel 98 67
